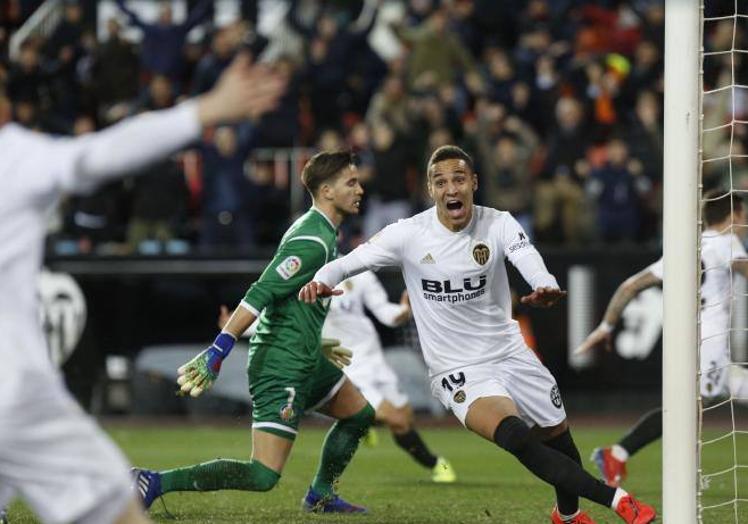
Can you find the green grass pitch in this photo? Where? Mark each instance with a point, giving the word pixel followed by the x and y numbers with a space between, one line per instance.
pixel 492 486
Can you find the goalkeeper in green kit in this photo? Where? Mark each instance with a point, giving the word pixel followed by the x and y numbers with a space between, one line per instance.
pixel 291 370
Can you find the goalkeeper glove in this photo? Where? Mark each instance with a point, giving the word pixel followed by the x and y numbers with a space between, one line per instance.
pixel 201 372
pixel 335 353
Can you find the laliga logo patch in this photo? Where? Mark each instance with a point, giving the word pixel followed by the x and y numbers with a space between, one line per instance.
pixel 459 396
pixel 556 397
pixel 481 253
pixel 289 267
pixel 287 413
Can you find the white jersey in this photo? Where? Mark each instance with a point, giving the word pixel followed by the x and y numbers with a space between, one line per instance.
pixel 347 321
pixel 457 282
pixel 718 251
pixel 77 470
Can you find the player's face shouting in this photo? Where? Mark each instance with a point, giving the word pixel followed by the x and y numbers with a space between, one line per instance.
pixel 347 191
pixel 451 185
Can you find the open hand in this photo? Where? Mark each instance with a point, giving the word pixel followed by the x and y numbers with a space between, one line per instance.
pixel 543 297
pixel 199 374
pixel 335 353
pixel 314 289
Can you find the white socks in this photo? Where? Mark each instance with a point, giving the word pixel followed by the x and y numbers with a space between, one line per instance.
pixel 619 453
pixel 620 493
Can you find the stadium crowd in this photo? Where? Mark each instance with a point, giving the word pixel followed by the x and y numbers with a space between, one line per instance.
pixel 558 101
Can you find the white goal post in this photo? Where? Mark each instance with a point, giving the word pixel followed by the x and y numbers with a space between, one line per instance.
pixel 683 43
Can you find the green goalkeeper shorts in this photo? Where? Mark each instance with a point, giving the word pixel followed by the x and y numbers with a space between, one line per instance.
pixel 281 394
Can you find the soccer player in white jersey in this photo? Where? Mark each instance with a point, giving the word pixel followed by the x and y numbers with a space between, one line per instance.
pixel 369 371
pixel 52 454
pixel 452 259
pixel 722 252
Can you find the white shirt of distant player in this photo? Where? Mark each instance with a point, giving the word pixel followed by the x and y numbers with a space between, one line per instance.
pixel 347 321
pixel 457 283
pixel 718 251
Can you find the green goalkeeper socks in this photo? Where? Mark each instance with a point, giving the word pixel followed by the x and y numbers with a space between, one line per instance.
pixel 220 474
pixel 340 445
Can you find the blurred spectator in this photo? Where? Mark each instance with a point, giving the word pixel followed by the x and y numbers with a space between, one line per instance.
pixel 229 198
pixel 388 192
pixel 272 212
pixel 281 127
pixel 64 40
pixel 27 82
pixel 161 51
pixel 390 106
pixel 159 95
pixel 330 140
pixel 159 202
pixel 115 68
pixel 160 195
pixel 646 72
pixel 559 196
pixel 101 217
pixel 506 177
pixel 618 188
pixel 329 59
pixel 222 48
pixel 11 18
pixel 500 74
pixel 437 57
pixel 644 135
pixel 63 49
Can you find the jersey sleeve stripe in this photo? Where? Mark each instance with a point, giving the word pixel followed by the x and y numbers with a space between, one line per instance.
pixel 249 307
pixel 313 239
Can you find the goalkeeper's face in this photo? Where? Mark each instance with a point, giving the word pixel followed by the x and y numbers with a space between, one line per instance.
pixel 346 192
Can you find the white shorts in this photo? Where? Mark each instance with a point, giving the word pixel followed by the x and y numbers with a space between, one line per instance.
pixel 376 380
pixel 55 458
pixel 521 377
pixel 715 366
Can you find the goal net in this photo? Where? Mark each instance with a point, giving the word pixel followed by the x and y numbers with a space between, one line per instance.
pixel 722 392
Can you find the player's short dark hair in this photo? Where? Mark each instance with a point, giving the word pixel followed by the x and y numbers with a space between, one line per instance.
pixel 448 152
pixel 324 166
pixel 719 204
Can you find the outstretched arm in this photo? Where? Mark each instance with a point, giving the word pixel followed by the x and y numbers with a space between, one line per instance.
pixel 545 290
pixel 330 275
pixel 523 255
pixel 631 287
pixel 366 19
pixel 199 14
pixel 383 249
pixel 134 19
pixel 294 263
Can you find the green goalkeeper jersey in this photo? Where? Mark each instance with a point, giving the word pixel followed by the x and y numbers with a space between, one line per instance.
pixel 287 336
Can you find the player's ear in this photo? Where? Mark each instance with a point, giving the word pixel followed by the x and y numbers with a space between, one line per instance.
pixel 428 186
pixel 475 182
pixel 325 191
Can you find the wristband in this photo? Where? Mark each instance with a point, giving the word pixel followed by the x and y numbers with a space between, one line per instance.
pixel 224 343
pixel 605 326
